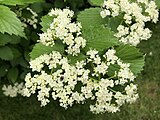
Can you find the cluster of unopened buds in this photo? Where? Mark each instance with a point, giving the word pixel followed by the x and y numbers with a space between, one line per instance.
pixel 135 14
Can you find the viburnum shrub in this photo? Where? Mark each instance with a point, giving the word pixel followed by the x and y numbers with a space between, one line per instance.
pixel 87 56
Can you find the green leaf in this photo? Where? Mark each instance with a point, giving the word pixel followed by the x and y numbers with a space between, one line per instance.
pixel 99 38
pixel 16 52
pixel 91 17
pixel 9 23
pixel 13 74
pixel 112 69
pixel 6 53
pixel 114 22
pixel 74 59
pixel 3 70
pixel 97 2
pixel 26 56
pixel 130 54
pixel 40 49
pixel 5 39
pixel 158 3
pixel 15 39
pixel 59 4
pixel 19 61
pixel 23 63
pixel 37 7
pixel 93 30
pixel 19 2
pixel 45 22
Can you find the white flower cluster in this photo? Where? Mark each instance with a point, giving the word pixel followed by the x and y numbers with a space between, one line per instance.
pixel 13 91
pixel 76 83
pixel 62 28
pixel 136 14
pixel 31 21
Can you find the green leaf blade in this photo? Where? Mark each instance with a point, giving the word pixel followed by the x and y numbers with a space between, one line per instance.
pixel 9 23
pixel 97 36
pixel 40 49
pixel 19 2
pixel 91 17
pixel 74 59
pixel 100 38
pixel 158 3
pixel 3 69
pixel 130 54
pixel 6 39
pixel 97 2
pixel 6 53
pixel 45 22
pixel 13 74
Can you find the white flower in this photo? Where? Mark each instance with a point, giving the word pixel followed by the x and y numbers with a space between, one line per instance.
pixel 33 20
pixel 62 28
pixel 105 13
pixel 128 19
pixel 92 53
pixel 138 12
pixel 110 56
pixel 120 98
pixel 53 74
pixel 62 80
pixel 131 93
pixel 13 91
pixel 101 68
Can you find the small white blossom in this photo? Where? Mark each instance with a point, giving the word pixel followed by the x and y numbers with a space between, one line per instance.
pixel 61 83
pixel 53 74
pixel 13 91
pixel 136 14
pixel 62 28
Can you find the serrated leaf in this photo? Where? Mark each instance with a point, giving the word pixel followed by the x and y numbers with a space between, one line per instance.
pixel 130 54
pixel 19 2
pixel 45 22
pixel 9 23
pixel 127 52
pixel 99 38
pixel 93 30
pixel 6 53
pixel 91 17
pixel 40 49
pixel 97 2
pixel 12 74
pixel 74 59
